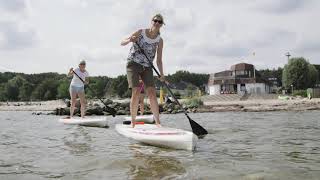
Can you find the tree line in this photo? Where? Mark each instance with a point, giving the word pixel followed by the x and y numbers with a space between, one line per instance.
pixel 297 73
pixel 51 86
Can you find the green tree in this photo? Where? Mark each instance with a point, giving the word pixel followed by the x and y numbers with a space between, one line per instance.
pixel 193 78
pixel 118 86
pixel 46 90
pixel 3 95
pixel 6 76
pixel 274 73
pixel 63 89
pixel 25 91
pixel 190 90
pixel 12 91
pixel 12 88
pixel 317 66
pixel 313 75
pixel 97 86
pixel 199 80
pixel 296 73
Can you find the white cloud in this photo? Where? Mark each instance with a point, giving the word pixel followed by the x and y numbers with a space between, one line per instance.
pixel 283 6
pixel 13 5
pixel 199 36
pixel 16 36
pixel 5 69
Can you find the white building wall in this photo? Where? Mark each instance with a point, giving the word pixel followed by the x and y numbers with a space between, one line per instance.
pixel 238 89
pixel 214 89
pixel 253 88
pixel 257 88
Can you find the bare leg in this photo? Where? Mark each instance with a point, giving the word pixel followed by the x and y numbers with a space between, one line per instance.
pixel 83 104
pixel 73 96
pixel 141 102
pixel 151 91
pixel 134 105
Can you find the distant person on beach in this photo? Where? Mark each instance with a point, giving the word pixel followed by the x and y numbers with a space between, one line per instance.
pixel 77 87
pixel 141 97
pixel 150 42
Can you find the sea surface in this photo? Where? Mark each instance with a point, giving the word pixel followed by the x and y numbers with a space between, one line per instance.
pixel 240 145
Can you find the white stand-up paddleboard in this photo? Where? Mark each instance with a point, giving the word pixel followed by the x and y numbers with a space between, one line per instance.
pixel 159 136
pixel 142 118
pixel 93 122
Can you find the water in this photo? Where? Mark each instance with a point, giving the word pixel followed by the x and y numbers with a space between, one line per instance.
pixel 268 145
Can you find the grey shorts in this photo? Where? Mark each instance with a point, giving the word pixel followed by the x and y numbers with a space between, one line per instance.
pixel 134 70
pixel 76 89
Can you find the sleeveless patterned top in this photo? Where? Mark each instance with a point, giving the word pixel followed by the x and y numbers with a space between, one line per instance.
pixel 148 45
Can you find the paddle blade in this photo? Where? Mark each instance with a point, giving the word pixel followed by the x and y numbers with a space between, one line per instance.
pixel 126 122
pixel 197 129
pixel 129 122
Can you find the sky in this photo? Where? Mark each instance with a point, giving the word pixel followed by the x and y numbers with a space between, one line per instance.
pixel 203 36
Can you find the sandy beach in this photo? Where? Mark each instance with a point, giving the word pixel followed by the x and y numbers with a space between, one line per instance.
pixel 262 105
pixel 32 106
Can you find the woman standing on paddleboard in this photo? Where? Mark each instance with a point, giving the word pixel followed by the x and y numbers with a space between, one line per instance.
pixel 146 42
pixel 77 87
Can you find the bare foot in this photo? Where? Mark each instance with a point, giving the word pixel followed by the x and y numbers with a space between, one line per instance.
pixel 133 124
pixel 158 125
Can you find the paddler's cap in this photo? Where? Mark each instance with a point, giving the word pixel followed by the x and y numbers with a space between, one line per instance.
pixel 82 62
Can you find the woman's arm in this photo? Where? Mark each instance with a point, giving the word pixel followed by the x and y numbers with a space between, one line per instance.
pixel 159 59
pixel 70 72
pixel 132 38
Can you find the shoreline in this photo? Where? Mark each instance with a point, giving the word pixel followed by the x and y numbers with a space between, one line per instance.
pixel 32 106
pixel 256 105
pixel 259 105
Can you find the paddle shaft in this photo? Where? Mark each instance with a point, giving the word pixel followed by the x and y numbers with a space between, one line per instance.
pixel 196 128
pixel 109 109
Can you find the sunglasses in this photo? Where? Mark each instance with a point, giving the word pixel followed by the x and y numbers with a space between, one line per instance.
pixel 157 21
pixel 82 64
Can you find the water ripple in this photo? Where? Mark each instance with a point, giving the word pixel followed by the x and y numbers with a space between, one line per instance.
pixel 272 145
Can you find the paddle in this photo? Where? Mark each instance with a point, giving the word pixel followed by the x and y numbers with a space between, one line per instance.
pixel 109 109
pixel 196 128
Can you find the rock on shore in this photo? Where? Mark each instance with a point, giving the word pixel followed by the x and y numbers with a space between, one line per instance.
pixel 123 108
pixel 95 107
